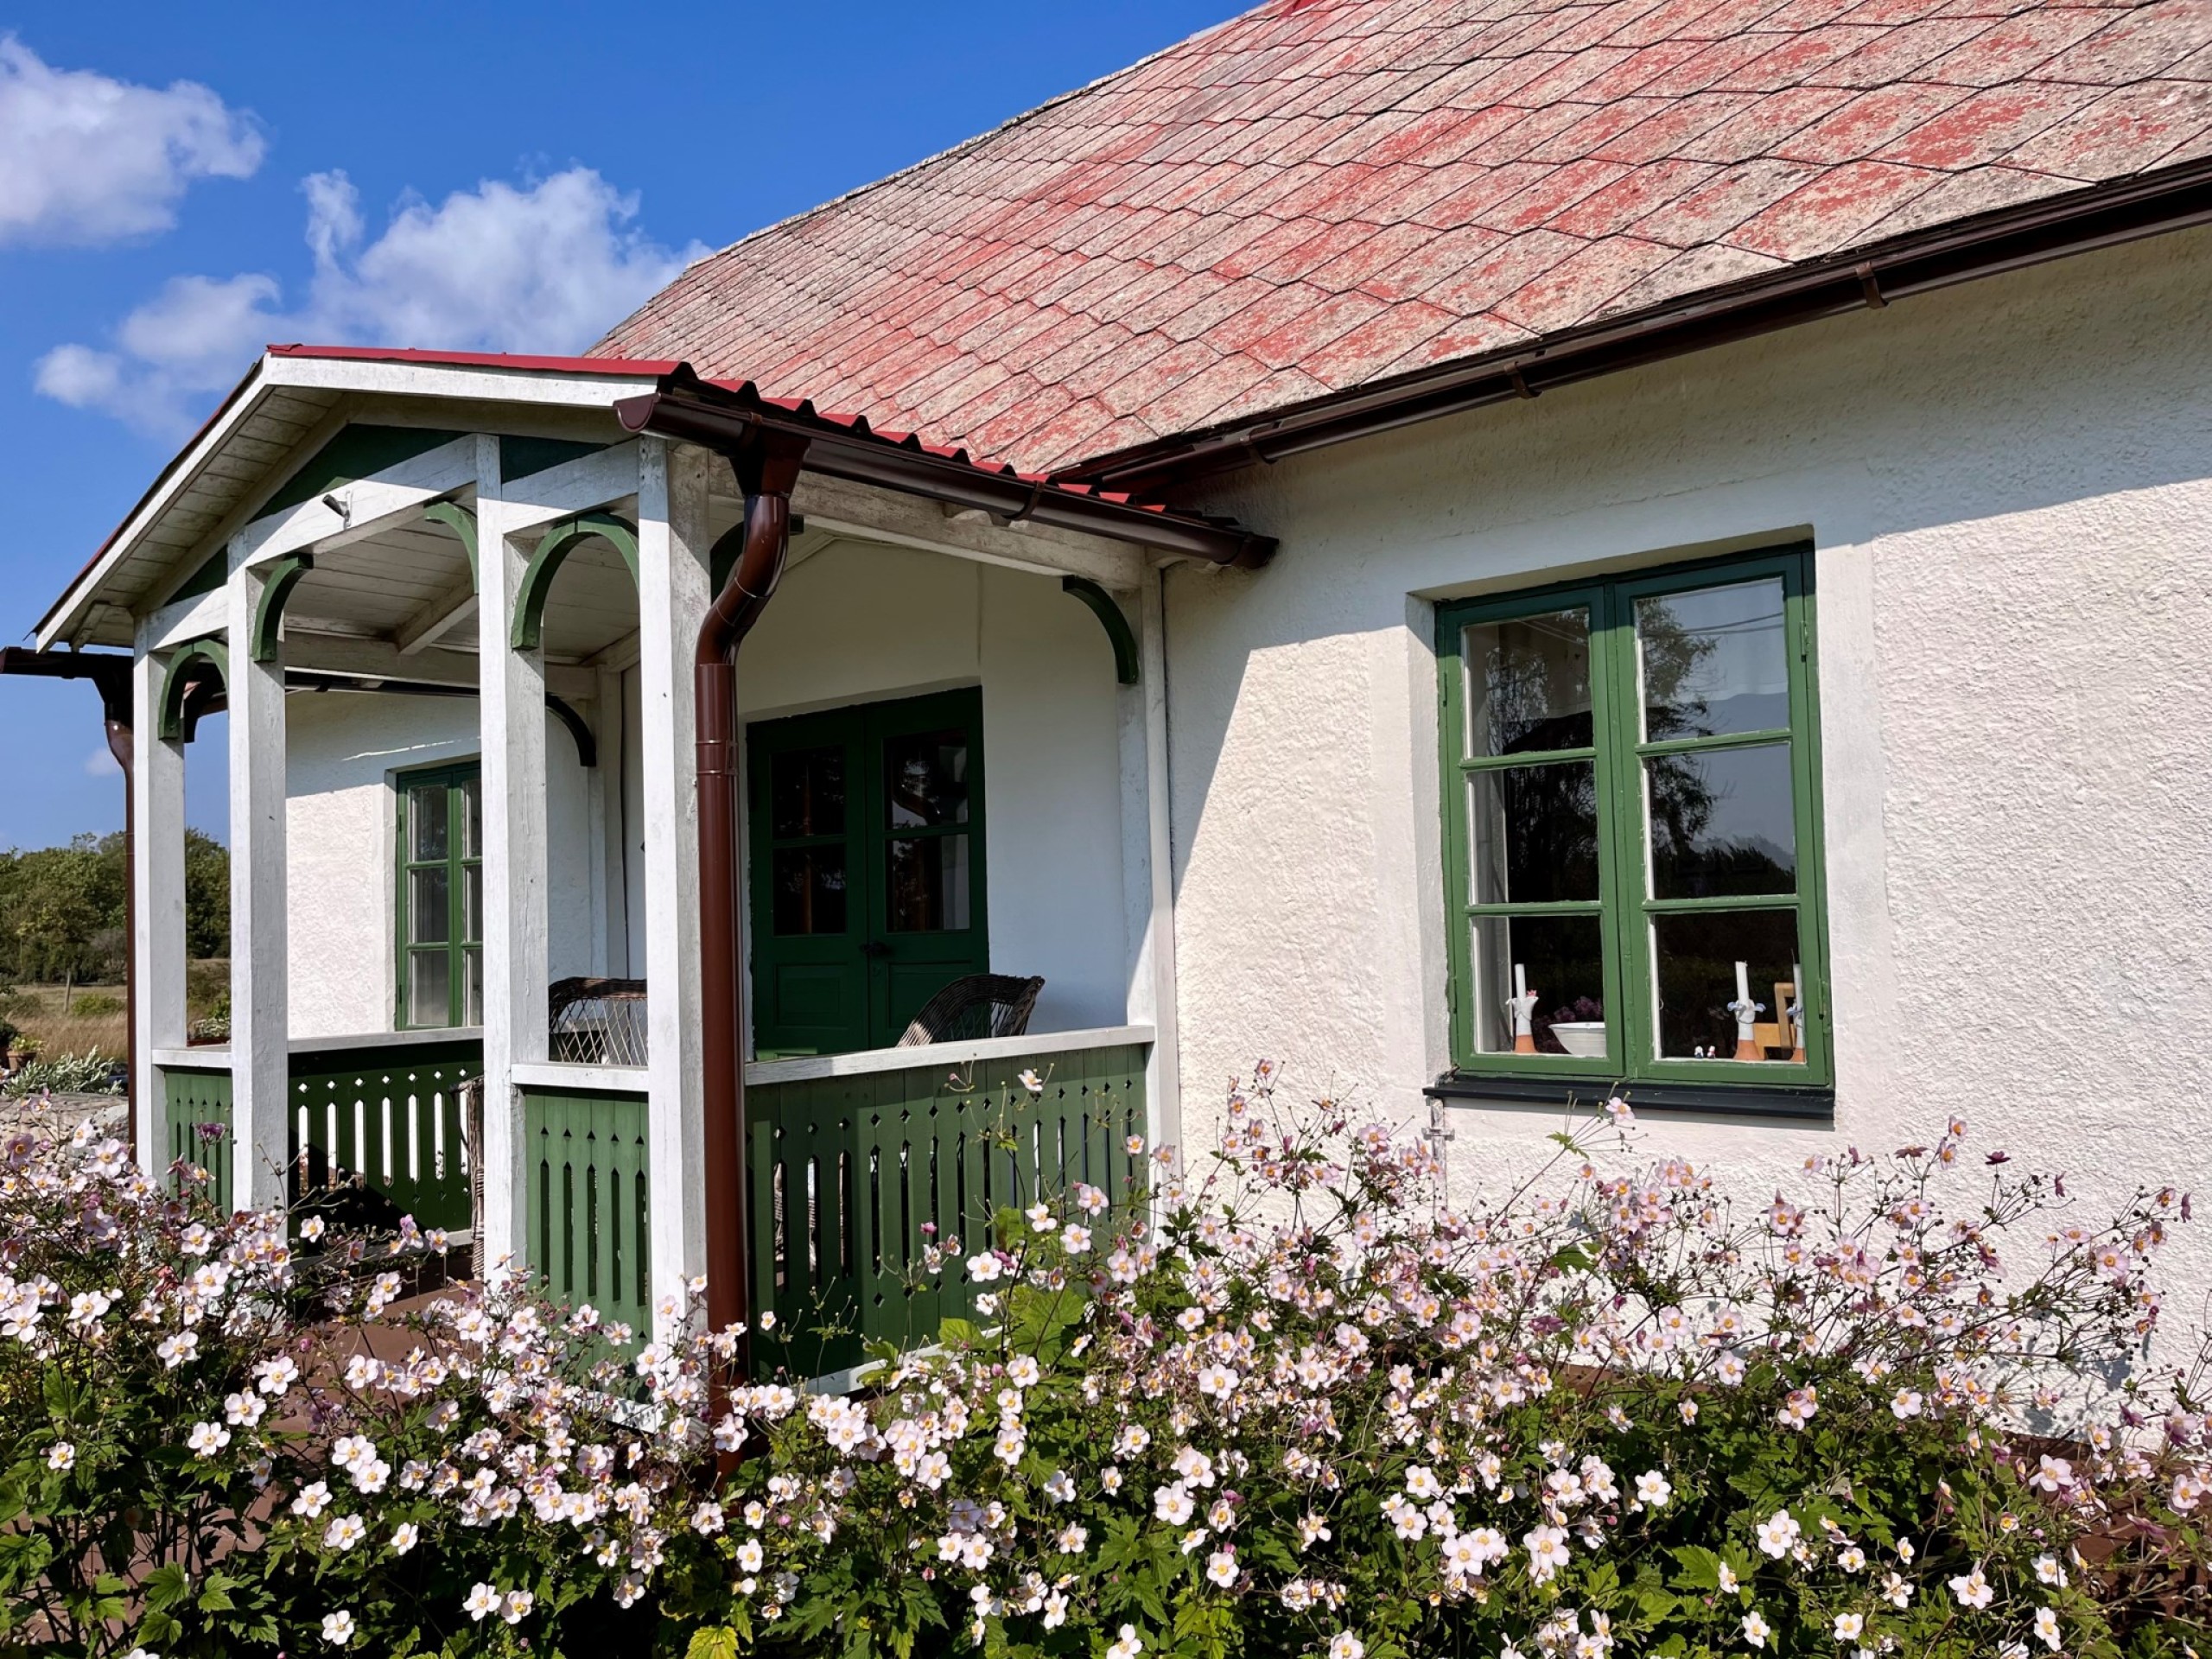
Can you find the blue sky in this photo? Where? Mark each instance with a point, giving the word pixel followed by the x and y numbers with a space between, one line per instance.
pixel 504 177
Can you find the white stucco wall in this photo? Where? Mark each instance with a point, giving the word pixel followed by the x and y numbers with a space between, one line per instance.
pixel 341 751
pixel 859 622
pixel 2010 488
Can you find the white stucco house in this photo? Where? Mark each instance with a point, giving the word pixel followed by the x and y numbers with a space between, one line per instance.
pixel 1491 553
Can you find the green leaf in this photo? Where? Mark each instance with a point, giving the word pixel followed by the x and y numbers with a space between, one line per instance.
pixel 1701 1568
pixel 958 1333
pixel 166 1586
pixel 718 1642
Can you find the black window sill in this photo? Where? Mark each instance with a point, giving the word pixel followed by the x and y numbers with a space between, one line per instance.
pixel 1814 1104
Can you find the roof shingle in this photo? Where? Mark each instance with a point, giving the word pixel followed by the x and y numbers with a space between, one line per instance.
pixel 1321 192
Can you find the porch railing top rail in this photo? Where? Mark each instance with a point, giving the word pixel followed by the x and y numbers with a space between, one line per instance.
pixel 864 1062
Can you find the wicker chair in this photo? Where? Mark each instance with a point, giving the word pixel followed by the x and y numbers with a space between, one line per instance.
pixel 982 1004
pixel 597 1021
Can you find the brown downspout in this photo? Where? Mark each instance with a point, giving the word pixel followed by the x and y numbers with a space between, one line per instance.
pixel 112 675
pixel 768 465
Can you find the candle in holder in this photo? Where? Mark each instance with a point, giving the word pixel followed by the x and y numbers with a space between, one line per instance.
pixel 1746 1012
pixel 1524 1012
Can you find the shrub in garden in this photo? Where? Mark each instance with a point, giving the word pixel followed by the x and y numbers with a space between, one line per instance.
pixel 1290 1403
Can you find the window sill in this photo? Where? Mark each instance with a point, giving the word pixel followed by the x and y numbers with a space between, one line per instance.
pixel 1815 1104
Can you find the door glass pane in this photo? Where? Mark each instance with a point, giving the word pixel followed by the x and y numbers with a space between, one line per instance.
pixel 472 816
pixel 1534 833
pixel 430 988
pixel 1557 960
pixel 1722 823
pixel 927 884
pixel 1702 961
pixel 925 779
pixel 426 820
pixel 1529 684
pixel 1714 660
pixel 807 793
pixel 809 885
pixel 472 902
pixel 472 990
pixel 430 905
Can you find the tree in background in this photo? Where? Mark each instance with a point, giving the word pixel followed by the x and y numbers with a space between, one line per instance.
pixel 61 908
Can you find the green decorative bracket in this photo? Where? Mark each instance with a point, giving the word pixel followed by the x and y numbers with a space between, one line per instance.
pixel 172 726
pixel 558 542
pixel 1111 619
pixel 284 575
pixel 586 745
pixel 460 520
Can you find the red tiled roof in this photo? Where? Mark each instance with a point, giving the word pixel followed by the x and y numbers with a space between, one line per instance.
pixel 1322 192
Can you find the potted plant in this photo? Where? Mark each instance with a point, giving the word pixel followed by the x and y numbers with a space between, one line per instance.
pixel 22 1049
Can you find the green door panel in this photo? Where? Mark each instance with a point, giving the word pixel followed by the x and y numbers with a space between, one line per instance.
pixel 865 837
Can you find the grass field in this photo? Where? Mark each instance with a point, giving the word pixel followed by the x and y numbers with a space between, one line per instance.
pixel 77 1019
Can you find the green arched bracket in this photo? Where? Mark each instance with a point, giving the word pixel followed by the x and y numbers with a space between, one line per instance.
pixel 586 745
pixel 284 575
pixel 172 727
pixel 460 520
pixel 558 542
pixel 1110 618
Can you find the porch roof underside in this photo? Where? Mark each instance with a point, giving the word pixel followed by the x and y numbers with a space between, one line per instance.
pixel 382 585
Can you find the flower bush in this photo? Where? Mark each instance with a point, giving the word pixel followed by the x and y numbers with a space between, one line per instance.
pixel 1291 1402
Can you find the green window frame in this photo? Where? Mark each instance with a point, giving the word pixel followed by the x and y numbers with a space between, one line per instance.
pixel 1646 859
pixel 438 899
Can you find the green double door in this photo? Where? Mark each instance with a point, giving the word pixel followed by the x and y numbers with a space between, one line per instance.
pixel 866 842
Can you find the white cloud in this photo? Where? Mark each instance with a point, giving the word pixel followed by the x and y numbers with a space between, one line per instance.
pixel 84 159
pixel 100 764
pixel 542 269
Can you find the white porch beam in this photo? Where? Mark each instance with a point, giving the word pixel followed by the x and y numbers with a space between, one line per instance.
pixel 594 480
pixel 371 504
pixel 157 902
pixel 377 660
pixel 874 515
pixel 674 542
pixel 511 709
pixel 187 618
pixel 260 1053
pixel 430 623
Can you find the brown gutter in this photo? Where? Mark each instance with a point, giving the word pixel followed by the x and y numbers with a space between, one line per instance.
pixel 111 674
pixel 767 469
pixel 728 419
pixel 1985 246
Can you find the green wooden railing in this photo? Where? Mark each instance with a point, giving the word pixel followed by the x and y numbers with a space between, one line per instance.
pixel 196 1122
pixel 852 1179
pixel 391 1117
pixel 588 1230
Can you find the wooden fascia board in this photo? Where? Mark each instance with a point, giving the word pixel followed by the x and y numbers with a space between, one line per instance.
pixel 860 512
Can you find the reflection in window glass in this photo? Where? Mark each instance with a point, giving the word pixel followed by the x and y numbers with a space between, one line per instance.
pixel 925 779
pixel 1714 661
pixel 927 884
pixel 472 1013
pixel 1534 832
pixel 807 792
pixel 1558 958
pixel 430 905
pixel 1528 684
pixel 1698 957
pixel 1722 823
pixel 809 885
pixel 426 814
pixel 472 820
pixel 430 986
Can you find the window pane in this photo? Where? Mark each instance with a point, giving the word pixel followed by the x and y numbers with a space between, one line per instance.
pixel 430 988
pixel 472 816
pixel 1701 959
pixel 808 883
pixel 1534 833
pixel 1561 961
pixel 928 884
pixel 1529 684
pixel 926 778
pixel 426 820
pixel 807 792
pixel 472 990
pixel 1722 823
pixel 472 902
pixel 430 905
pixel 1714 660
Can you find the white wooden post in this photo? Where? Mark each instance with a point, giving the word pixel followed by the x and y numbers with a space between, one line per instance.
pixel 1149 866
pixel 613 781
pixel 260 1048
pixel 157 944
pixel 510 702
pixel 674 546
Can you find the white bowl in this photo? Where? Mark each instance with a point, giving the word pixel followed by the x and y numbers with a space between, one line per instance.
pixel 1586 1037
